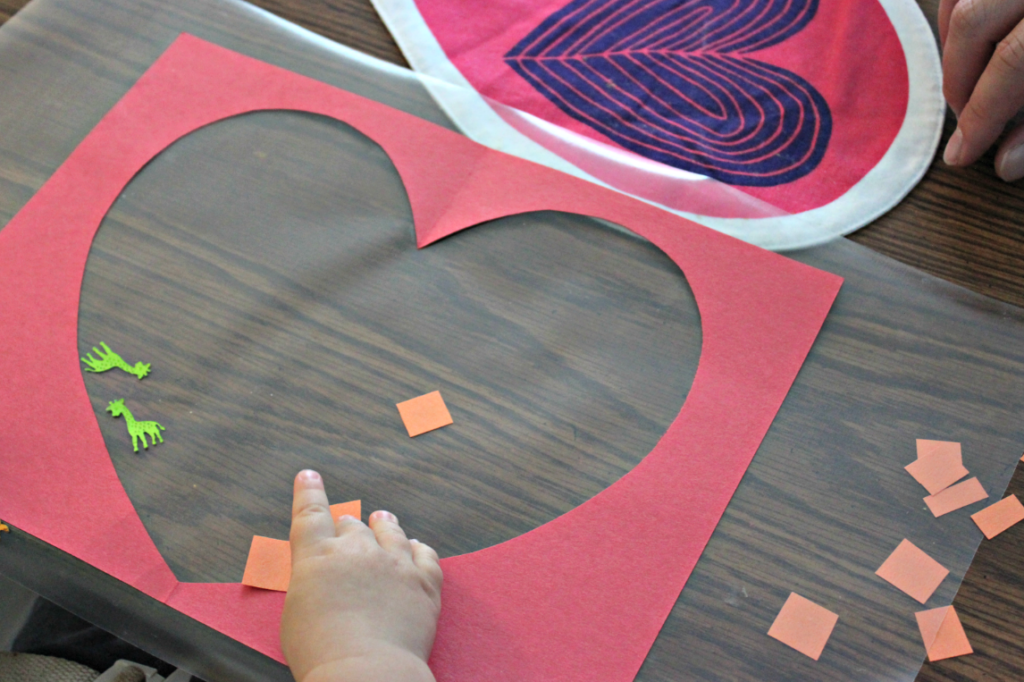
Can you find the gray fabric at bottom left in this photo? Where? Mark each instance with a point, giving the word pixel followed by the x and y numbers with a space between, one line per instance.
pixel 16 667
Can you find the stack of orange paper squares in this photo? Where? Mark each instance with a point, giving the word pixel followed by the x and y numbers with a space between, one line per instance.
pixel 807 626
pixel 938 466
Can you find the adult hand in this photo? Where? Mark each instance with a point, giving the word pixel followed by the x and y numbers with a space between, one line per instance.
pixel 983 73
pixel 363 602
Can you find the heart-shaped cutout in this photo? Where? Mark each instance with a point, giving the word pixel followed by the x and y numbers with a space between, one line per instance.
pixel 290 311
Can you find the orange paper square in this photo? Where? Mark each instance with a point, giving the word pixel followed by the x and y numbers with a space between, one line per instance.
pixel 995 519
pixel 942 633
pixel 269 566
pixel 426 413
pixel 912 571
pixel 803 625
pixel 939 468
pixel 926 448
pixel 353 508
pixel 956 497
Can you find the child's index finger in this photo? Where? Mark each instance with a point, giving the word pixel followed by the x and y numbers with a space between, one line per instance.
pixel 311 513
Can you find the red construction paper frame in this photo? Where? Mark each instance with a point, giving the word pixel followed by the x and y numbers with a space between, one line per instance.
pixel 580 598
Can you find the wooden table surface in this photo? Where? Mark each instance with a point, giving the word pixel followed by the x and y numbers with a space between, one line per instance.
pixel 965 226
pixel 959 225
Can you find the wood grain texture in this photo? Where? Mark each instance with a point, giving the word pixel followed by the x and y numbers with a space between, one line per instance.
pixel 8 8
pixel 960 225
pixel 282 337
pixel 351 22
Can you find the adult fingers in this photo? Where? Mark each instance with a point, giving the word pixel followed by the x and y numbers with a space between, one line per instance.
pixel 311 513
pixel 1010 157
pixel 945 9
pixel 975 27
pixel 998 96
pixel 426 560
pixel 389 534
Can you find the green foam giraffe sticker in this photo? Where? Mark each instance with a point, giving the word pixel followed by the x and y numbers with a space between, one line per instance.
pixel 136 429
pixel 109 360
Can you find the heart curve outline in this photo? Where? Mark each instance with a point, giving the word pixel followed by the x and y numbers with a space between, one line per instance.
pixel 667 79
pixel 522 610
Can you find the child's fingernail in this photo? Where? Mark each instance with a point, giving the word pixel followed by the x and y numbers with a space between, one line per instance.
pixel 416 541
pixel 309 475
pixel 382 515
pixel 952 154
pixel 1011 166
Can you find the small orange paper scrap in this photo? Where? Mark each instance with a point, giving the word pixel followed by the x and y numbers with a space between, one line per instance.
pixel 425 413
pixel 803 625
pixel 939 464
pixel 269 566
pixel 956 497
pixel 4 528
pixel 943 634
pixel 912 571
pixel 353 508
pixel 926 448
pixel 995 519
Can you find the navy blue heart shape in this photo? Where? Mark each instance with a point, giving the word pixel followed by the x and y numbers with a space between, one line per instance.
pixel 667 79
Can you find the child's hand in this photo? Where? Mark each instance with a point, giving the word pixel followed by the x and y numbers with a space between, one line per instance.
pixel 362 605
